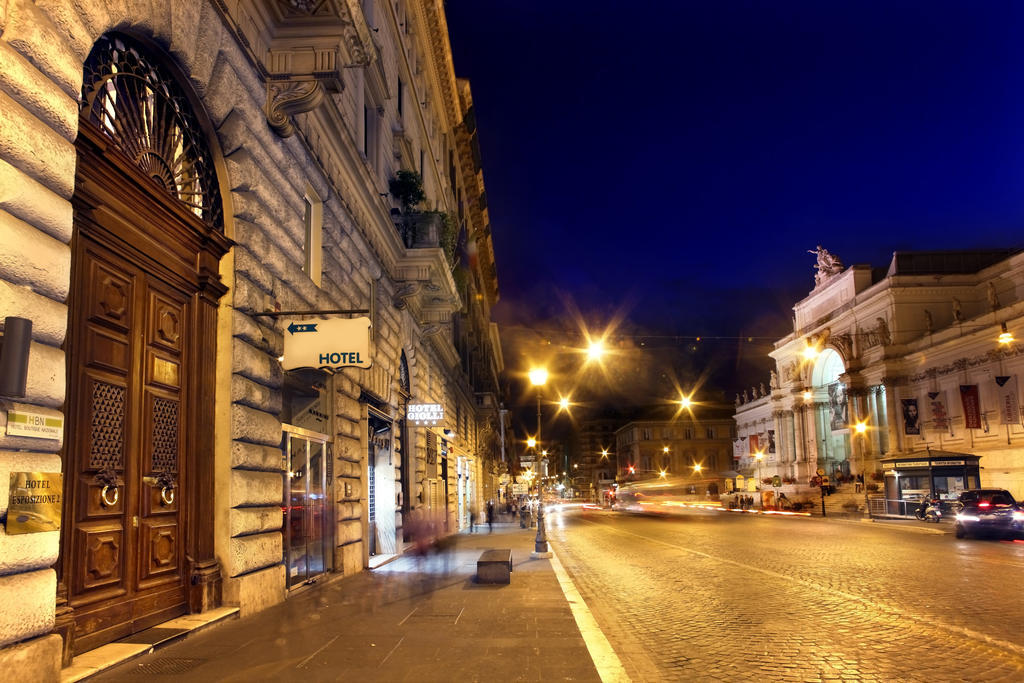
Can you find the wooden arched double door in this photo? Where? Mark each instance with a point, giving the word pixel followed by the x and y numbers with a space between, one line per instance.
pixel 137 545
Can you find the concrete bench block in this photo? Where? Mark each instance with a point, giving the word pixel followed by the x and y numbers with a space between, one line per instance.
pixel 494 566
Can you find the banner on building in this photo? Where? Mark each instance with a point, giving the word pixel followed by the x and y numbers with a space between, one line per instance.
pixel 838 407
pixel 1009 405
pixel 940 414
pixel 911 417
pixel 771 440
pixel 739 448
pixel 755 443
pixel 972 406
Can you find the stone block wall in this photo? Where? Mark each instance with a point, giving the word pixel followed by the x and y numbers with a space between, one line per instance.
pixel 41 55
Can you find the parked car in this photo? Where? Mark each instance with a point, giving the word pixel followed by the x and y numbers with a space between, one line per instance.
pixel 988 511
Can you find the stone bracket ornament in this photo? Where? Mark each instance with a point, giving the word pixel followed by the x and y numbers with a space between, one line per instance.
pixel 285 99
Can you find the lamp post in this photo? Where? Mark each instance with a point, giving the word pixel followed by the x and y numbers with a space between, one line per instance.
pixel 538 377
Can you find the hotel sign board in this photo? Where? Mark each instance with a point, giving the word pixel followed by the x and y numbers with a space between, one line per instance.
pixel 35 425
pixel 35 502
pixel 425 413
pixel 326 343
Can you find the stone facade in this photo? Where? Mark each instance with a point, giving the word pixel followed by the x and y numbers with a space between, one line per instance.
pixel 867 342
pixel 309 126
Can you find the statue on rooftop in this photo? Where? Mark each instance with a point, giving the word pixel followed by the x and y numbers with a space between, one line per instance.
pixel 828 264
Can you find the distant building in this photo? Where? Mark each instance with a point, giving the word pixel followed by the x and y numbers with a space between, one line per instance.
pixel 596 473
pixel 696 441
pixel 887 368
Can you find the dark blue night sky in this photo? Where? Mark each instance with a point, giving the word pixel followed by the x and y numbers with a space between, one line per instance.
pixel 679 159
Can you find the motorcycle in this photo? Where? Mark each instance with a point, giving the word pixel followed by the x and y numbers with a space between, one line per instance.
pixel 929 511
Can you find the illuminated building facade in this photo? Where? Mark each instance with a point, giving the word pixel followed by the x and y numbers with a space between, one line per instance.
pixel 915 359
pixel 174 176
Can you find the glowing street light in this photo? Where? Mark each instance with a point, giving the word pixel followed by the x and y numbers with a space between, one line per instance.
pixel 604 453
pixel 808 395
pixel 538 377
pixel 686 402
pixel 1005 336
pixel 810 352
pixel 563 403
pixel 595 350
pixel 860 427
pixel 698 468
pixel 531 442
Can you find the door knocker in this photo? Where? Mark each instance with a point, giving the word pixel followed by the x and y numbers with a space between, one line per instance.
pixel 108 502
pixel 165 480
pixel 110 481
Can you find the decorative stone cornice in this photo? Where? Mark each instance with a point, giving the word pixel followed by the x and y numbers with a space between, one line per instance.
pixel 300 48
pixel 962 364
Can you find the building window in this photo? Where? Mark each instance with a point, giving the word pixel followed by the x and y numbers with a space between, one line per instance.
pixel 313 238
pixel 371 134
pixel 711 432
pixel 401 94
pixel 688 433
pixel 646 434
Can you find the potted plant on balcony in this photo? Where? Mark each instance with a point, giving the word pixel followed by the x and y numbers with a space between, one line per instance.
pixel 422 229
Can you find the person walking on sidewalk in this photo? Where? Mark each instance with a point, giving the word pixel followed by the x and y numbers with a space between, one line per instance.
pixel 490 516
pixel 472 521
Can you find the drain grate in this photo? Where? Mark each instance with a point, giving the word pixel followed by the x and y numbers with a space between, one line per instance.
pixel 169 666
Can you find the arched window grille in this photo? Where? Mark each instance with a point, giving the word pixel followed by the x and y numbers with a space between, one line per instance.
pixel 139 105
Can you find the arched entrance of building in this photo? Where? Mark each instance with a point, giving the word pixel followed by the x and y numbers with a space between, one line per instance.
pixel 137 545
pixel 831 415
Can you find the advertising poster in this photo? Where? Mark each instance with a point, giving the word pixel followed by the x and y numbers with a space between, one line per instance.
pixel 911 417
pixel 972 405
pixel 837 407
pixel 739 448
pixel 940 415
pixel 1009 405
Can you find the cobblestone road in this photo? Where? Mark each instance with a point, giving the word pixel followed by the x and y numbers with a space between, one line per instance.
pixel 735 598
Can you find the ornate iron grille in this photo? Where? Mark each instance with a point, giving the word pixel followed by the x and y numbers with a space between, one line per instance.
pixel 165 435
pixel 144 111
pixel 106 439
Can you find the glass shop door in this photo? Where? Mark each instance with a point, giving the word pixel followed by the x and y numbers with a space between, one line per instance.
pixel 305 508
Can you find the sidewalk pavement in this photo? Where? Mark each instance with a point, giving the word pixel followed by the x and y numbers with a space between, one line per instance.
pixel 408 620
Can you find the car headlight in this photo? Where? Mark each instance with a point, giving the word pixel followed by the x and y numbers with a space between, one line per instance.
pixel 961 517
pixel 1018 515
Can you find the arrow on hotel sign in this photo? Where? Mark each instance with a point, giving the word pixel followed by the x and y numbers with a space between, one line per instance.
pixel 302 327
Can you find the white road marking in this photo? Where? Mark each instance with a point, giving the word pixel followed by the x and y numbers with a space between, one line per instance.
pixel 607 663
pixel 305 661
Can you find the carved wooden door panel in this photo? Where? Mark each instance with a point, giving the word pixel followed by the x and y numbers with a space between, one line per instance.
pixel 126 570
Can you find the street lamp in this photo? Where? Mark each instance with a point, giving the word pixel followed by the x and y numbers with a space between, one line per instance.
pixel 538 377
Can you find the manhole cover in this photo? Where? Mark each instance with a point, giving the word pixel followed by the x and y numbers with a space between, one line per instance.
pixel 169 665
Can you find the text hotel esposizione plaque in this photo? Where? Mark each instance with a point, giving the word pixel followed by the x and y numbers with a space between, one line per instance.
pixel 35 502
